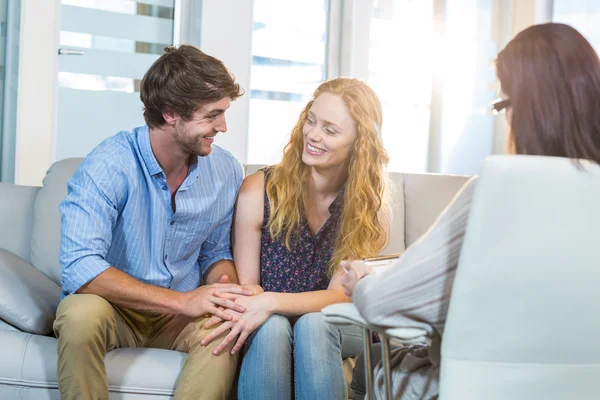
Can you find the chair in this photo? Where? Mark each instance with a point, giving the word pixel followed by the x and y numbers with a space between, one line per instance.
pixel 523 317
pixel 347 314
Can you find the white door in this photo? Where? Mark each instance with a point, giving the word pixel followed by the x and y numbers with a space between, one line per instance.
pixel 105 48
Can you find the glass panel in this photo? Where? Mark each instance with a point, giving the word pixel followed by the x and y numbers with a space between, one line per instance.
pixel 400 72
pixel 124 6
pixel 583 15
pixel 289 49
pixel 120 40
pixel 104 66
pixel 87 41
pixel 97 82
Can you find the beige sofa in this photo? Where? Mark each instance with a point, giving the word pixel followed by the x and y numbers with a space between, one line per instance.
pixel 29 285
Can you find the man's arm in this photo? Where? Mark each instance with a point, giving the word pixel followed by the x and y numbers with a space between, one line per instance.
pixel 123 290
pixel 89 213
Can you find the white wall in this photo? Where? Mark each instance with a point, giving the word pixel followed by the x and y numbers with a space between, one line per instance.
pixel 37 85
pixel 227 35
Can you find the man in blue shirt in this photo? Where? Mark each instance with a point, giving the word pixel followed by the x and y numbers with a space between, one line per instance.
pixel 146 219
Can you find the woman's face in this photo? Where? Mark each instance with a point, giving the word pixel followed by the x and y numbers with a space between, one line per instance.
pixel 329 133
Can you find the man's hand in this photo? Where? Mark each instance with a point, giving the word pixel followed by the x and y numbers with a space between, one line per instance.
pixel 354 271
pixel 205 300
pixel 214 320
pixel 258 309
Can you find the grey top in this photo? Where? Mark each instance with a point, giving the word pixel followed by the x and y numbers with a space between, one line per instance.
pixel 415 293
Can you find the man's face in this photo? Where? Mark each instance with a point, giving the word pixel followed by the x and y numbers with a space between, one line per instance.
pixel 197 135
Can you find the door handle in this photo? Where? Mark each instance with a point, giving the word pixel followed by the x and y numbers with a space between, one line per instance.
pixel 69 52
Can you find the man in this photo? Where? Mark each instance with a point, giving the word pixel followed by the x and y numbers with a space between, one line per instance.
pixel 147 216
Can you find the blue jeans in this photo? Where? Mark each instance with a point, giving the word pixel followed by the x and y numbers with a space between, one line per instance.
pixel 316 349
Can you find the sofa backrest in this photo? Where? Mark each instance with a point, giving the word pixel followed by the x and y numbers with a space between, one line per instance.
pixel 16 218
pixel 418 200
pixel 45 238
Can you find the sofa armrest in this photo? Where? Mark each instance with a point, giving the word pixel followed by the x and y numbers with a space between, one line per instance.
pixel 28 298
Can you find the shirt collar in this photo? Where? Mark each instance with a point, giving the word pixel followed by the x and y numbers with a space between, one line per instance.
pixel 143 134
pixel 153 166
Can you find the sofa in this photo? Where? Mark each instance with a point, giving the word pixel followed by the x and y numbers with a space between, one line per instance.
pixel 30 285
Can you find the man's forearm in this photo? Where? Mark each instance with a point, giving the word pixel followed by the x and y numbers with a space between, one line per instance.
pixel 123 290
pixel 218 269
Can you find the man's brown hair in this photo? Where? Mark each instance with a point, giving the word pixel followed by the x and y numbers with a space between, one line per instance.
pixel 183 80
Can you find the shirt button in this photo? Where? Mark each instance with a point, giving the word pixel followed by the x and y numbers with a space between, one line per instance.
pixel 172 223
pixel 165 256
pixel 164 187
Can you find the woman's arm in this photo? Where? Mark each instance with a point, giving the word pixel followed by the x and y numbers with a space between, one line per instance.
pixel 247 225
pixel 294 304
pixel 418 286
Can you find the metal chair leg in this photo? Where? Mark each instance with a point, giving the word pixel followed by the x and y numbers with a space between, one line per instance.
pixel 368 363
pixel 385 353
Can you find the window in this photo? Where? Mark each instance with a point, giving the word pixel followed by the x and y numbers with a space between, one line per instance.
pixel 400 72
pixel 583 15
pixel 289 53
pixel 445 48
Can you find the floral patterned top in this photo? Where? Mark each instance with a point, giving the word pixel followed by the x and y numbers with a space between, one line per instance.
pixel 304 268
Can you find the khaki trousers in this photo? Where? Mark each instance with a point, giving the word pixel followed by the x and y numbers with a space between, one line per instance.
pixel 87 327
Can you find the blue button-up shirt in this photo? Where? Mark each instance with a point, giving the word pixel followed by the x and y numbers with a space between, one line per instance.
pixel 118 213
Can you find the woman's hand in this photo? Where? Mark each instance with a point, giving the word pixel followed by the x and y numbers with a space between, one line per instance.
pixel 257 309
pixel 354 271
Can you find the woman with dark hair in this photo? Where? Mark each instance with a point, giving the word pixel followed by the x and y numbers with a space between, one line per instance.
pixel 550 79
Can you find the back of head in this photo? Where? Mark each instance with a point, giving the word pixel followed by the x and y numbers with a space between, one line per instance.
pixel 183 79
pixel 551 75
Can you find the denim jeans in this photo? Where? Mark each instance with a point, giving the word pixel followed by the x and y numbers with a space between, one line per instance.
pixel 307 355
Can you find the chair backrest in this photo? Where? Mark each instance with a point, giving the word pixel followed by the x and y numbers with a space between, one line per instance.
pixel 523 316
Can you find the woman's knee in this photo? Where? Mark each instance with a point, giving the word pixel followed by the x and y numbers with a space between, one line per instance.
pixel 276 329
pixel 313 324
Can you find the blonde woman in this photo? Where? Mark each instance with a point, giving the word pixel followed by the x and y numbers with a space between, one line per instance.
pixel 294 222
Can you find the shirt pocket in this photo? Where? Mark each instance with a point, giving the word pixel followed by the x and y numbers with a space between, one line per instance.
pixel 193 236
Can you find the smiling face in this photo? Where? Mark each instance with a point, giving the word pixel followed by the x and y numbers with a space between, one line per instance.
pixel 329 133
pixel 197 135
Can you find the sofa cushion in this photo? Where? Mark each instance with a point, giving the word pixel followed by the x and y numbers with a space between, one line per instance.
pixel 45 240
pixel 16 215
pixel 425 196
pixel 396 243
pixel 28 299
pixel 31 361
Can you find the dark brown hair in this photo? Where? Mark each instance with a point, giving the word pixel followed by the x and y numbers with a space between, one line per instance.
pixel 183 80
pixel 551 74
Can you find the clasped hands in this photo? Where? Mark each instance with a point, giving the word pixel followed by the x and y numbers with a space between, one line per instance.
pixel 239 309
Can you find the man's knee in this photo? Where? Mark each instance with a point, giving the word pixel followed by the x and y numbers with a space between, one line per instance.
pixel 80 315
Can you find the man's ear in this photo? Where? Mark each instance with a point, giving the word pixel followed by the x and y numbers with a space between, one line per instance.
pixel 169 116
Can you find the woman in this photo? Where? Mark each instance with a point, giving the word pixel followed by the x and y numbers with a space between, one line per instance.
pixel 550 78
pixel 294 222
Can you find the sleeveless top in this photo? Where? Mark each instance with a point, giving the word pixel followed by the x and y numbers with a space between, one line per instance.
pixel 303 268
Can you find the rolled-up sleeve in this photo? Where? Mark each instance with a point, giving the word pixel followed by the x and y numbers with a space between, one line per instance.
pixel 418 286
pixel 217 246
pixel 88 215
